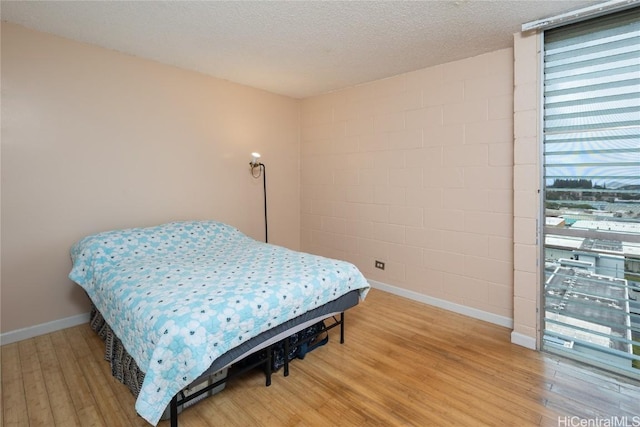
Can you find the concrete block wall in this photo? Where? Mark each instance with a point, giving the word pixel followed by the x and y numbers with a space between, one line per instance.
pixel 417 171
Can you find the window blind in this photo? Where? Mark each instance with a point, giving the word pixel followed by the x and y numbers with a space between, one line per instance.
pixel 591 137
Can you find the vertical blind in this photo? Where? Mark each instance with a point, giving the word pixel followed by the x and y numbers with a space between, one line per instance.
pixel 591 136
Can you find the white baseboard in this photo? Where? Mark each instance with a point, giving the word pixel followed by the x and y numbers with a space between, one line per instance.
pixel 447 305
pixel 43 328
pixel 523 340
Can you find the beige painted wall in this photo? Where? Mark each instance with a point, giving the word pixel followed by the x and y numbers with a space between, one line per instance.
pixel 417 171
pixel 93 140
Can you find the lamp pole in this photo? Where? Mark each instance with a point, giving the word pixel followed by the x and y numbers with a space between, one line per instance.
pixel 262 170
pixel 264 191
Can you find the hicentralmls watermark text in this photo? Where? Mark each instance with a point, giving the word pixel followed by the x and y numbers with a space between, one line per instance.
pixel 599 422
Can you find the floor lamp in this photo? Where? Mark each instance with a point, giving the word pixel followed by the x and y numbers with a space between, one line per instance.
pixel 255 164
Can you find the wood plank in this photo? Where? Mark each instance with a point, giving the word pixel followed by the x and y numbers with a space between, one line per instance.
pixel 38 404
pixel 59 396
pixel 14 402
pixel 106 402
pixel 258 399
pixel 98 383
pixel 90 417
pixel 77 383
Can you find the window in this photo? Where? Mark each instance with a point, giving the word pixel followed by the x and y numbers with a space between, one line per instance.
pixel 591 150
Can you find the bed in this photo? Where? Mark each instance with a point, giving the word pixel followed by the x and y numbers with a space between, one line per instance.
pixel 189 298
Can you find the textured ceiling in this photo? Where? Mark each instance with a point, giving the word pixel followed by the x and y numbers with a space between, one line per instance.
pixel 294 48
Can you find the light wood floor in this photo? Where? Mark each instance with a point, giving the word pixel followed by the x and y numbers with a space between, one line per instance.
pixel 403 363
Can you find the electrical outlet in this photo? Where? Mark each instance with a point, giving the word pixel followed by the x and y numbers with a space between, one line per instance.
pixel 380 265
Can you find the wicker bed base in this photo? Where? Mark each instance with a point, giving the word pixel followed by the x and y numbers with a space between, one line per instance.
pixel 123 367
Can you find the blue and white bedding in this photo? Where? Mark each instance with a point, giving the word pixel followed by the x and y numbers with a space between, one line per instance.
pixel 181 294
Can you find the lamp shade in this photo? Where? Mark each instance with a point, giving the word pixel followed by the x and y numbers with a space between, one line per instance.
pixel 255 157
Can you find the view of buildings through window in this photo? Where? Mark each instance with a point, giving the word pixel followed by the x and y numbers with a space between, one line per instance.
pixel 592 191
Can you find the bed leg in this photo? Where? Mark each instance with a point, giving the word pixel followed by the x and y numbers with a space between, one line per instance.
pixel 267 368
pixel 173 408
pixel 342 328
pixel 286 357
